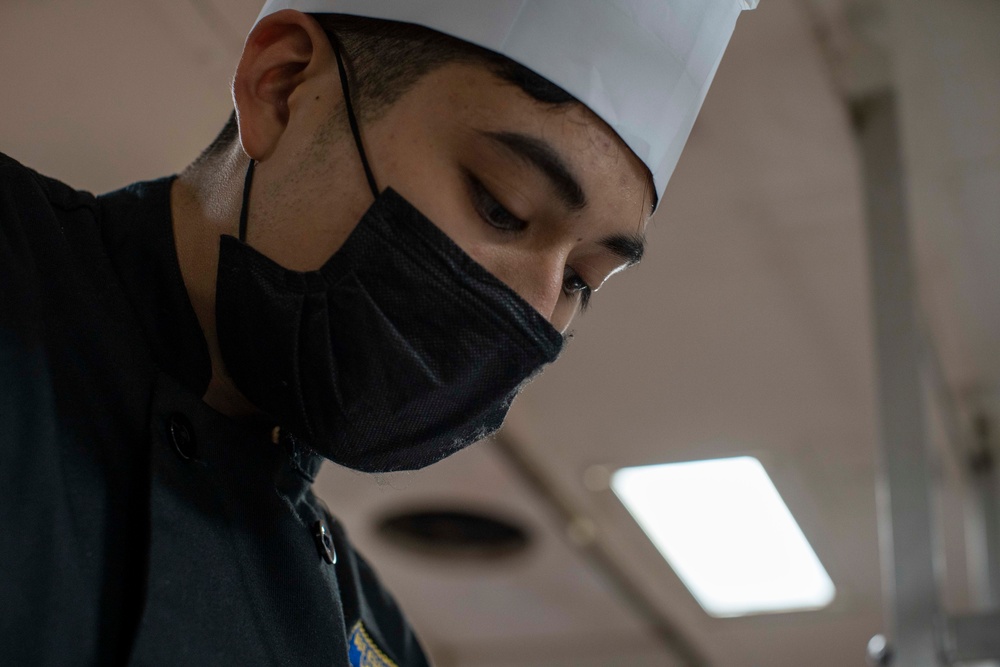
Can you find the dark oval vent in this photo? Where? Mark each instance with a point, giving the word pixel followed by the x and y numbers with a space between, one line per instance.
pixel 454 533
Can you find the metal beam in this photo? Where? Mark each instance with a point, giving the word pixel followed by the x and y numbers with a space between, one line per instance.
pixel 908 550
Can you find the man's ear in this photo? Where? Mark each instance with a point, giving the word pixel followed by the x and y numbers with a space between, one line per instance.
pixel 282 52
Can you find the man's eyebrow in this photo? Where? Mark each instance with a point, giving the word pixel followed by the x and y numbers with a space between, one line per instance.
pixel 630 247
pixel 544 157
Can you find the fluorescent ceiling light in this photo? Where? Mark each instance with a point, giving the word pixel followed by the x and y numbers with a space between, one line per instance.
pixel 727 534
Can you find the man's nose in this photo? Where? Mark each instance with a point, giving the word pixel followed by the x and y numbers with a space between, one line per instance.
pixel 539 281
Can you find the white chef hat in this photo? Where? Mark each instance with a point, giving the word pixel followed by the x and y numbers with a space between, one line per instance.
pixel 643 66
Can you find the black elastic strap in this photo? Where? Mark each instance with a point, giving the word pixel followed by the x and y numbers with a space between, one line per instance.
pixel 245 209
pixel 351 118
pixel 355 130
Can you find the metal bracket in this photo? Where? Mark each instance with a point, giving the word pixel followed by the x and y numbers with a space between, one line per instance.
pixel 973 637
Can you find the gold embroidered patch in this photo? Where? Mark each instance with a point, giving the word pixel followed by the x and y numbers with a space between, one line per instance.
pixel 363 652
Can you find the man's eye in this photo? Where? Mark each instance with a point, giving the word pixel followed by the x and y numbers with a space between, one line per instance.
pixel 490 210
pixel 576 287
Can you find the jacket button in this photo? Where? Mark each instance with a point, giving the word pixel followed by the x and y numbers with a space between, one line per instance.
pixel 324 543
pixel 181 436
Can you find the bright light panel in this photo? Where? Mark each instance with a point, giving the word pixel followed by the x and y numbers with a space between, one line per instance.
pixel 727 534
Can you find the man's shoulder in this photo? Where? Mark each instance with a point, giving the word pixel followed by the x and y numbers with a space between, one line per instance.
pixel 22 185
pixel 39 219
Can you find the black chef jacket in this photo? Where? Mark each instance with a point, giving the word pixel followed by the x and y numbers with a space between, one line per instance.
pixel 137 525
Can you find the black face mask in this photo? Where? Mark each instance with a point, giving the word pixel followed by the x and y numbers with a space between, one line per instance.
pixel 398 352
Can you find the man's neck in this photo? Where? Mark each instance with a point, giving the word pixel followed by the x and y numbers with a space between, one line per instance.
pixel 205 204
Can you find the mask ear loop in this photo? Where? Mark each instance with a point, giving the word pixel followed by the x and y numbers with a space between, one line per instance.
pixel 351 118
pixel 245 208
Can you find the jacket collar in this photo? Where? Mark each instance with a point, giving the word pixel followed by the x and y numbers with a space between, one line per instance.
pixel 137 230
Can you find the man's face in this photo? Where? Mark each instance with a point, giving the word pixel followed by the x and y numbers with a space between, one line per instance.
pixel 546 198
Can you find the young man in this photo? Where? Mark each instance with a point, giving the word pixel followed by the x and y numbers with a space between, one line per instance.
pixel 410 204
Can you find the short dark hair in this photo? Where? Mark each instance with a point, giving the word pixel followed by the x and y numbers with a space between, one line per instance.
pixel 385 58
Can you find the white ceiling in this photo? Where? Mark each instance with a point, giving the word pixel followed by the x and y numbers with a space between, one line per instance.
pixel 746 331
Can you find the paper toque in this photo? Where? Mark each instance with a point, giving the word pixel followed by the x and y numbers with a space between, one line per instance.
pixel 643 66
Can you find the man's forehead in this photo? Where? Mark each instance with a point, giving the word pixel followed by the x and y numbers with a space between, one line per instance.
pixel 581 171
pixel 567 142
pixel 567 145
